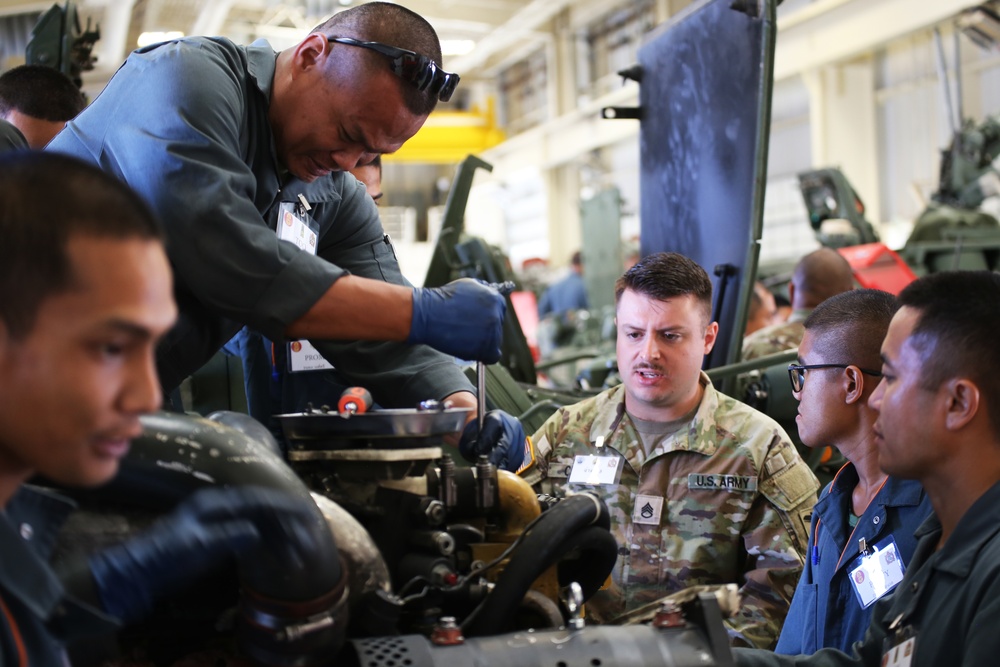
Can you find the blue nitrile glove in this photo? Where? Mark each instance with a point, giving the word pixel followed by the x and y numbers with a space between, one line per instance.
pixel 463 318
pixel 502 439
pixel 207 528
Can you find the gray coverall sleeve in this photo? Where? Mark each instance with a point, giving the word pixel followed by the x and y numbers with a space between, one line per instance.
pixel 867 652
pixel 397 374
pixel 181 124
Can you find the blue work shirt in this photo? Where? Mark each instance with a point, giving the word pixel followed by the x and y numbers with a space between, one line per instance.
pixel 825 611
pixel 569 293
pixel 949 599
pixel 36 615
pixel 185 123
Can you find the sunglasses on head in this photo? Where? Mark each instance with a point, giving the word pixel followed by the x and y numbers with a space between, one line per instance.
pixel 419 70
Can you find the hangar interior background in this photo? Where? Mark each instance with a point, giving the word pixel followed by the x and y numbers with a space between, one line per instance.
pixel 858 85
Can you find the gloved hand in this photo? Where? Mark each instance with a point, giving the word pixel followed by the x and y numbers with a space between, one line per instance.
pixel 502 439
pixel 207 528
pixel 463 318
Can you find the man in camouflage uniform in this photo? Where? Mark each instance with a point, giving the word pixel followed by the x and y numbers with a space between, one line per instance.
pixel 818 276
pixel 702 489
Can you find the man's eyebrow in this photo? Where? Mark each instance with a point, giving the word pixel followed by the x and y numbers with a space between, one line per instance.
pixel 358 136
pixel 378 196
pixel 127 327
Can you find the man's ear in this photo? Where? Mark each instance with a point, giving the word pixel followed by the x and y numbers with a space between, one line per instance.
pixel 711 332
pixel 962 398
pixel 854 384
pixel 310 52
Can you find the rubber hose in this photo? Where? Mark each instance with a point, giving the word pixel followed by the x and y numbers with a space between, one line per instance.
pixel 542 545
pixel 178 454
pixel 598 554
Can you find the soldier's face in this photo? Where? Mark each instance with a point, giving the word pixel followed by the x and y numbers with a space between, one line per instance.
pixel 661 345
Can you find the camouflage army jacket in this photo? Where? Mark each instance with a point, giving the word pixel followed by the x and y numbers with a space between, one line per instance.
pixel 726 499
pixel 776 338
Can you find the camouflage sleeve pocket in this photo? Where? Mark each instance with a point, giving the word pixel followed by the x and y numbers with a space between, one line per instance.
pixel 786 479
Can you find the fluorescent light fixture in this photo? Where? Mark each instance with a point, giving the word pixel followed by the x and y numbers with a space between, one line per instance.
pixel 456 47
pixel 147 38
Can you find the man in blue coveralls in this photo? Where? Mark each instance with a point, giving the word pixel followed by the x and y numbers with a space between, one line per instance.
pixel 938 422
pixel 864 516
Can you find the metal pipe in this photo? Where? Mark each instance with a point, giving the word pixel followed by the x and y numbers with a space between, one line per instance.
pixel 942 67
pixel 285 614
pixel 716 374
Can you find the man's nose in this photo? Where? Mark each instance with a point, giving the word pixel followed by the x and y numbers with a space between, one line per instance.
pixel 650 347
pixel 875 400
pixel 347 158
pixel 141 393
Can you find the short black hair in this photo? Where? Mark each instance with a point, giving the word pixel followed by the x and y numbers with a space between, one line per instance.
pixel 47 200
pixel 819 275
pixel 851 327
pixel 41 92
pixel 666 275
pixel 956 331
pixel 393 25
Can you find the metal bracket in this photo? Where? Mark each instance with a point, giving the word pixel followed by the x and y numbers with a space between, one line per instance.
pixel 615 113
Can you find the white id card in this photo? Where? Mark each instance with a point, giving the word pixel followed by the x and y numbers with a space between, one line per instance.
pixel 900 655
pixel 297 227
pixel 595 470
pixel 302 356
pixel 875 573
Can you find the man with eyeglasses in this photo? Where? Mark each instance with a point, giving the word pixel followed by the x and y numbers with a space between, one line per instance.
pixel 702 489
pixel 938 422
pixel 861 539
pixel 243 153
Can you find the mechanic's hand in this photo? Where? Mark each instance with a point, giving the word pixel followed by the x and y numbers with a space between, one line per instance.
pixel 502 439
pixel 207 528
pixel 463 319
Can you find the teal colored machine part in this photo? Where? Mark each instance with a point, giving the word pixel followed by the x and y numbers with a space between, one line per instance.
pixel 600 229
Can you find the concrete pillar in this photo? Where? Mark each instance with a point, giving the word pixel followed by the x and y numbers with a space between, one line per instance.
pixel 842 110
pixel 563 188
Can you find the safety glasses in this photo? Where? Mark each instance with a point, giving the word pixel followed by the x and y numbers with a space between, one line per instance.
pixel 797 373
pixel 419 70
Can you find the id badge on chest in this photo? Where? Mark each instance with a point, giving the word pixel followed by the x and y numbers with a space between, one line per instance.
pixel 596 470
pixel 876 571
pixel 295 225
pixel 898 648
pixel 302 356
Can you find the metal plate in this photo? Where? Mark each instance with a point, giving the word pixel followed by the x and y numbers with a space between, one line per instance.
pixel 705 104
pixel 398 423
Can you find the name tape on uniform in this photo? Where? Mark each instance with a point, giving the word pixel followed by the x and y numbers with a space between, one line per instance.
pixel 747 483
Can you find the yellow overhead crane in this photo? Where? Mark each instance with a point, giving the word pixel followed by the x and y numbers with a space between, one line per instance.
pixel 449 136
